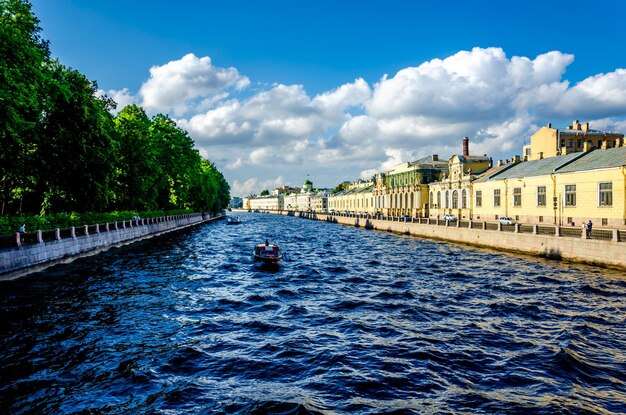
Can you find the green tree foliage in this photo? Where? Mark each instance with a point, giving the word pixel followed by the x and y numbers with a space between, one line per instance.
pixel 137 168
pixel 61 150
pixel 340 187
pixel 79 156
pixel 22 76
pixel 265 192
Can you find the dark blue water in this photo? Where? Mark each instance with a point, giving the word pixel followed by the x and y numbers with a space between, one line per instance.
pixel 355 322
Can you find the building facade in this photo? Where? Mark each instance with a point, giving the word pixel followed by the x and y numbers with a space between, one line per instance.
pixel 551 142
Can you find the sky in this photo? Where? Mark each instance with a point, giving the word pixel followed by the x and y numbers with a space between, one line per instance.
pixel 273 91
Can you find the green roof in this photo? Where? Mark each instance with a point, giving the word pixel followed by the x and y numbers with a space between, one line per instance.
pixel 532 168
pixel 598 159
pixel 593 160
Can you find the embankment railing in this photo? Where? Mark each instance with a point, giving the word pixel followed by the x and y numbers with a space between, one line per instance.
pixel 616 235
pixel 38 236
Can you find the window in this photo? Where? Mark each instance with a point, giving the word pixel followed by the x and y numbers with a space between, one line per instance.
pixel 571 142
pixel 432 202
pixel 605 222
pixel 605 194
pixel 562 142
pixel 439 200
pixel 540 219
pixel 570 195
pixel 496 197
pixel 527 151
pixel 517 196
pixel 455 200
pixel 464 199
pixel 541 196
pixel 580 143
pixel 479 198
pixel 447 195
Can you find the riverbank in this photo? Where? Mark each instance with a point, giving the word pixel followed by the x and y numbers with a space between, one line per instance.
pixel 607 250
pixel 73 243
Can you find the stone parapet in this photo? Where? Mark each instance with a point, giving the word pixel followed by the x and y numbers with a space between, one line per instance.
pixel 25 259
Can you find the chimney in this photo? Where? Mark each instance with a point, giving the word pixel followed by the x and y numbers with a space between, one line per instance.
pixel 499 163
pixel 541 155
pixel 563 151
pixel 549 125
pixel 490 162
pixel 435 157
pixel 465 146
pixel 586 127
pixel 516 159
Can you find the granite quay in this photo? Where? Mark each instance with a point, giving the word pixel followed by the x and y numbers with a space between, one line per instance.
pixel 23 254
pixel 606 247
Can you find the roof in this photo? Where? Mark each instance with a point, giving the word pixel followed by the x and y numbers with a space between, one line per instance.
pixel 353 191
pixel 532 168
pixel 598 159
pixel 588 132
pixel 472 158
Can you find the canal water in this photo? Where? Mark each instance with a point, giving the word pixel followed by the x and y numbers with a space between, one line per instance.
pixel 354 322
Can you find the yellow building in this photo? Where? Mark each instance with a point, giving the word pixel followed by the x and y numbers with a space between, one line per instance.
pixel 404 190
pixel 357 197
pixel 453 193
pixel 563 190
pixel 551 142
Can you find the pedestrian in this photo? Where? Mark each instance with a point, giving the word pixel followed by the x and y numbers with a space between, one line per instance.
pixel 22 232
pixel 589 227
pixel 585 230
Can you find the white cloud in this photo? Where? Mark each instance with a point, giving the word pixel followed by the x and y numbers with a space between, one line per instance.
pixel 357 128
pixel 173 86
pixel 254 186
pixel 599 95
pixel 235 164
pixel 122 97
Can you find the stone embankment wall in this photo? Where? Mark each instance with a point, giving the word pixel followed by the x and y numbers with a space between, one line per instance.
pixel 67 246
pixel 607 247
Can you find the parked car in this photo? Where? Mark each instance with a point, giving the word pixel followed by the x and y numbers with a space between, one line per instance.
pixel 449 217
pixel 405 217
pixel 506 221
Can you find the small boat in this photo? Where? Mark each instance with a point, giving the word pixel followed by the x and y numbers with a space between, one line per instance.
pixel 233 221
pixel 267 254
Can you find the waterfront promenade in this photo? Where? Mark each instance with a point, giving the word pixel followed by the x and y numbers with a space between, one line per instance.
pixel 44 249
pixel 607 247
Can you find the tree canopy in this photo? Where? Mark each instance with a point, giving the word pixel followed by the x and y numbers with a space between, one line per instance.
pixel 61 149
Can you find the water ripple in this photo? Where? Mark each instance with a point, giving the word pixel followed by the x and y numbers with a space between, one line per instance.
pixel 355 321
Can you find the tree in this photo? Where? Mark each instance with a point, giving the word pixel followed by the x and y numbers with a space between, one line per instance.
pixel 340 187
pixel 178 160
pixel 265 192
pixel 137 168
pixel 22 76
pixel 77 145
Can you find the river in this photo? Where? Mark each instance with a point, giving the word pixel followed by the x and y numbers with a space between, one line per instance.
pixel 354 322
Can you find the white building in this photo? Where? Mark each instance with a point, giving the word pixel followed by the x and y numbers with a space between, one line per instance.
pixel 267 203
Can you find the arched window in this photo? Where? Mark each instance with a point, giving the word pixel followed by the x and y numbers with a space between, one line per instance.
pixel 438 200
pixel 447 199
pixel 455 200
pixel 430 200
pixel 464 199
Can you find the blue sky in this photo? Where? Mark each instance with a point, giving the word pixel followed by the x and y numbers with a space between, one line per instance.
pixel 273 90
